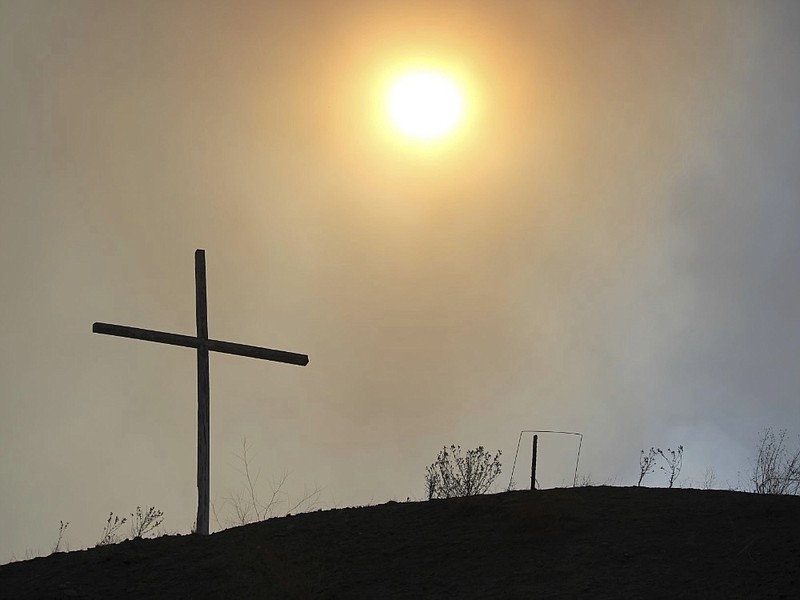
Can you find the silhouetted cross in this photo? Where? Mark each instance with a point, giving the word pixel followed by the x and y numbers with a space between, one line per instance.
pixel 203 345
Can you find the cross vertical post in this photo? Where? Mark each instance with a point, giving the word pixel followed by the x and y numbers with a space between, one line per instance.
pixel 203 395
pixel 533 461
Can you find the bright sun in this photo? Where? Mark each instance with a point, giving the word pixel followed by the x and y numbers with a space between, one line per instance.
pixel 424 105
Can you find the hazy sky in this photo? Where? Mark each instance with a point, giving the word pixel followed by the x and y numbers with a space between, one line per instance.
pixel 608 245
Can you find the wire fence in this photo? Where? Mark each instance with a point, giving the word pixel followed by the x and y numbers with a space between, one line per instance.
pixel 519 441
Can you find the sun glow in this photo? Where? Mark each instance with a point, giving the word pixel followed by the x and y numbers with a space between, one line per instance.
pixel 424 105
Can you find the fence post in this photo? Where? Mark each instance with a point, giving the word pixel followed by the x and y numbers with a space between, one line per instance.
pixel 533 462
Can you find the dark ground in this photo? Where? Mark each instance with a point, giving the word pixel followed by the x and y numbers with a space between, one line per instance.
pixel 600 542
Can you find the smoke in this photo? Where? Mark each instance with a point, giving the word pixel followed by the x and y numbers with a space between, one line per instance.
pixel 608 248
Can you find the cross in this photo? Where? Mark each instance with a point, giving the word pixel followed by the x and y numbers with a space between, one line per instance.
pixel 203 344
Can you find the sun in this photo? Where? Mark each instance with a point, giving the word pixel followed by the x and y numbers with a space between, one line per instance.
pixel 424 105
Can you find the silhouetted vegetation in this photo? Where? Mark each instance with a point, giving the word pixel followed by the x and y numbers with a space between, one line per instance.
pixel 143 522
pixel 673 460
pixel 777 468
pixel 62 528
pixel 454 475
pixel 110 535
pixel 647 462
pixel 247 505
pixel 709 479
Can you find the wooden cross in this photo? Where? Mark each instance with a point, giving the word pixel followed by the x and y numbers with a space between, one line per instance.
pixel 203 344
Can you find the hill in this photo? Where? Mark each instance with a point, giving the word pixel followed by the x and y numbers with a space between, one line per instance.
pixel 593 542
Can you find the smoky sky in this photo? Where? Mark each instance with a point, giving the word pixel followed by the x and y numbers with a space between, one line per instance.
pixel 611 247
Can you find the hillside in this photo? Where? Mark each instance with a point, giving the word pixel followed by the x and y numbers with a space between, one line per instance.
pixel 595 542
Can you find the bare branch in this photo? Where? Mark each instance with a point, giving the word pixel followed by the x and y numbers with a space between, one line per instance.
pixel 143 522
pixel 674 459
pixel 62 528
pixel 110 535
pixel 776 469
pixel 646 464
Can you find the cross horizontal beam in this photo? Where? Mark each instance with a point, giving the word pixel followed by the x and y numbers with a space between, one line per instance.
pixel 188 341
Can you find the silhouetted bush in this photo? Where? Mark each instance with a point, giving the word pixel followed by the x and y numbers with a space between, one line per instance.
pixel 57 545
pixel 672 458
pixel 110 535
pixel 454 475
pixel 143 522
pixel 647 462
pixel 776 469
pixel 674 463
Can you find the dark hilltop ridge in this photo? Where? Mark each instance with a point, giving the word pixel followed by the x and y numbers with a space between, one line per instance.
pixel 591 542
